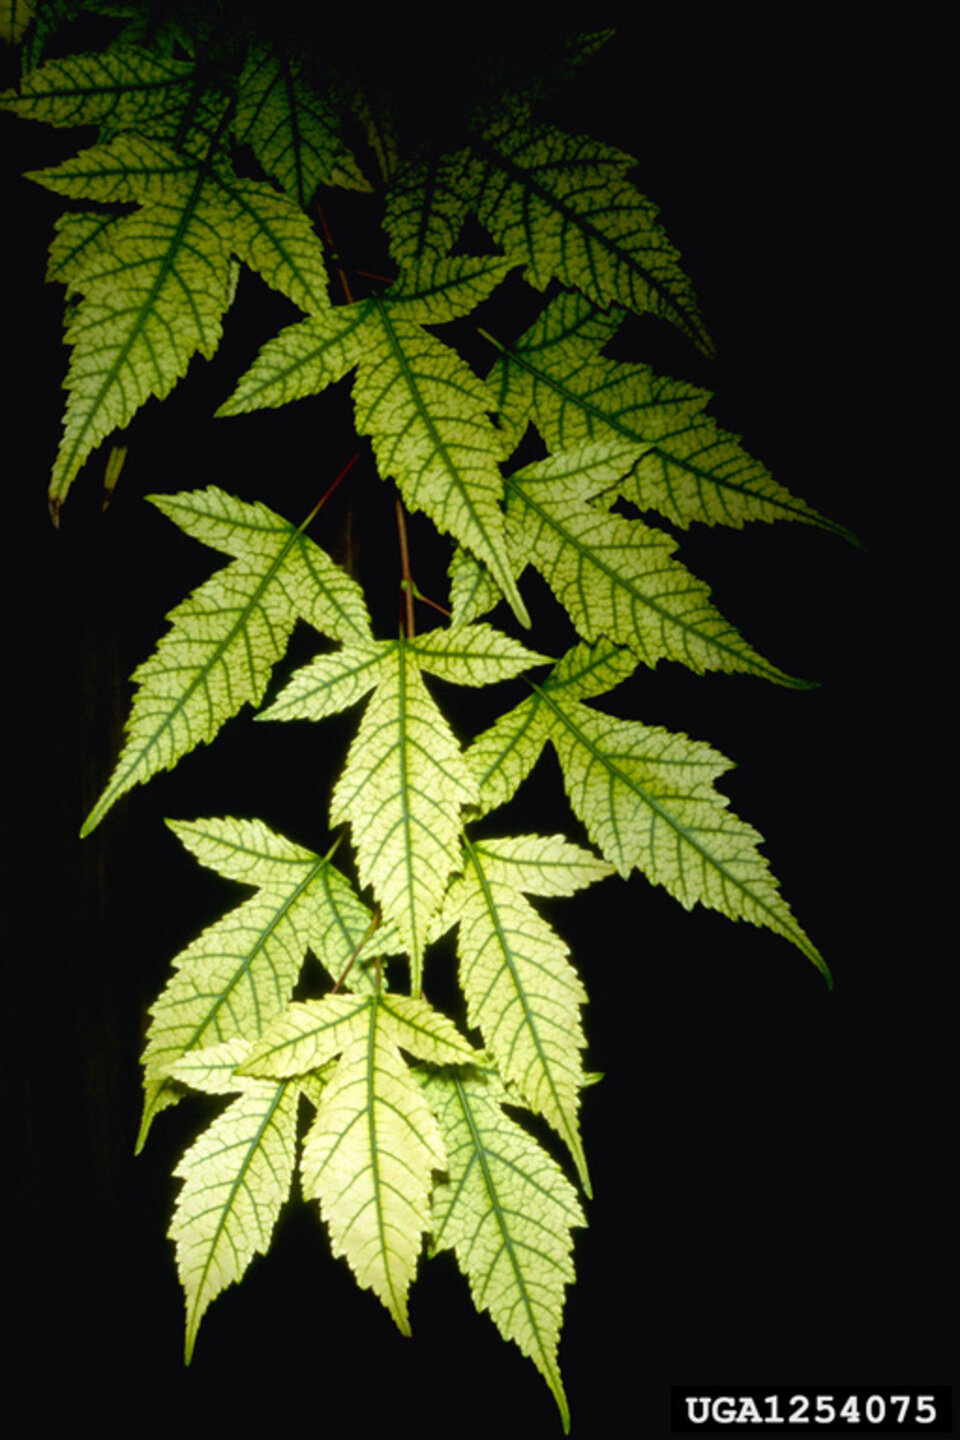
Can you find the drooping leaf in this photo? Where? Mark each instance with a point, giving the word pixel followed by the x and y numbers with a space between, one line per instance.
pixel 240 973
pixel 688 469
pixel 646 797
pixel 560 204
pixel 236 1177
pixel 507 1210
pixel 227 636
pixel 375 1142
pixel 617 577
pixel 521 990
pixel 155 284
pixel 405 780
pixel 424 409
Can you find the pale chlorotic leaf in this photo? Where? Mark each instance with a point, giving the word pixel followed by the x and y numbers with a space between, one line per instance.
pixel 689 469
pixel 424 214
pixel 374 1144
pixel 212 1070
pixel 617 577
pixel 540 864
pixel 521 990
pixel 155 285
pixel 427 416
pixel 240 972
pixel 475 655
pixel 293 130
pixel 302 360
pixel 375 116
pixel 270 234
pixel 441 288
pixel 703 473
pixel 226 637
pixel 506 1209
pixel 151 298
pixel 405 781
pixel 78 236
pixel 645 795
pixel 426 412
pixel 647 799
pixel 556 377
pixel 310 1033
pixel 402 790
pixel 472 591
pixel 502 756
pixel 331 683
pixel 561 205
pixel 236 1177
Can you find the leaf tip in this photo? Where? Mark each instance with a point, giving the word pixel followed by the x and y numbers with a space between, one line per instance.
pixel 560 1396
pixel 91 822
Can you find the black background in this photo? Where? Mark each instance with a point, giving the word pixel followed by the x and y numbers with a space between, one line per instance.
pixel 768 1158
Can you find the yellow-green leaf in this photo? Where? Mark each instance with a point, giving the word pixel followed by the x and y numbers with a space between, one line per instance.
pixel 687 467
pixel 617 577
pixel 240 972
pixel 227 636
pixel 521 990
pixel 374 1144
pixel 507 1210
pixel 236 1177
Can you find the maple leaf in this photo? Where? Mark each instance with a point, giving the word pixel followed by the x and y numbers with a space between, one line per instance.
pixel 375 1142
pixel 153 286
pixel 645 795
pixel 686 467
pixel 294 132
pixel 616 577
pixel 559 204
pixel 241 972
pixel 521 990
pixel 227 636
pixel 405 780
pixel 506 1209
pixel 423 407
pixel 236 1176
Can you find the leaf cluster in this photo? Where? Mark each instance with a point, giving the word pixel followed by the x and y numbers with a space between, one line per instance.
pixel 216 147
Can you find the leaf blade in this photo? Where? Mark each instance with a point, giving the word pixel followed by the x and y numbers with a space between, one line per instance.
pixel 507 1211
pixel 236 1177
pixel 228 634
